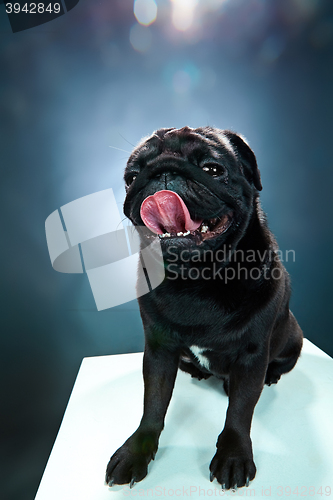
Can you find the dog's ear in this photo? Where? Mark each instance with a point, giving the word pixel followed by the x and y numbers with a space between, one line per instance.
pixel 246 157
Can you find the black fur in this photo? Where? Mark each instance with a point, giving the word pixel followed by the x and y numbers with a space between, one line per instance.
pixel 250 336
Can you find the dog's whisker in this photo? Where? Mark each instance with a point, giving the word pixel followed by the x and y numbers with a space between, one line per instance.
pixel 119 149
pixel 126 139
pixel 119 223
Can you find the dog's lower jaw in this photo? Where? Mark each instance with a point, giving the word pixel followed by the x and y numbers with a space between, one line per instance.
pixel 207 230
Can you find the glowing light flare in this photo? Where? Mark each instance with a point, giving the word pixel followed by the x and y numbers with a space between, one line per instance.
pixel 183 13
pixel 145 11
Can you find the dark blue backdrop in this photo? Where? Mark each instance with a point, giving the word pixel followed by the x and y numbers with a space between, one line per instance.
pixel 95 78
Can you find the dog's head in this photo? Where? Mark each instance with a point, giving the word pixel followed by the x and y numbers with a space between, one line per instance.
pixel 192 188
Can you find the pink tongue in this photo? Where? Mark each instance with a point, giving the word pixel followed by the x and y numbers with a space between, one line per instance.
pixel 165 212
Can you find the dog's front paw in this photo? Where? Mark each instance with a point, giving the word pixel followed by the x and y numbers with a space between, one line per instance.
pixel 129 464
pixel 233 465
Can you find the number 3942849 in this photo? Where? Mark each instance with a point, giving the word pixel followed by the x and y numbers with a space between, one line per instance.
pixel 32 8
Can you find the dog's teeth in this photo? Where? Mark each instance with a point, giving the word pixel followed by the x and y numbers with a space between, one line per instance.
pixel 168 235
pixel 204 229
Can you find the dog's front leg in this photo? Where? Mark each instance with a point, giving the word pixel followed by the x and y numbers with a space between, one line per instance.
pixel 129 464
pixel 233 464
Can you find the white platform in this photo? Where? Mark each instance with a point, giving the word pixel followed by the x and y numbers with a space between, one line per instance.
pixel 292 433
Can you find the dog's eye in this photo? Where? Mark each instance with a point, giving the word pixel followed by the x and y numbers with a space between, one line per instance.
pixel 213 169
pixel 130 178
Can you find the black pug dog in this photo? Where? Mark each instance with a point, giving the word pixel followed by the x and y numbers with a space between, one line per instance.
pixel 223 307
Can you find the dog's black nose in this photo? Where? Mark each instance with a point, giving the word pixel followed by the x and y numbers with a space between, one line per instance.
pixel 166 180
pixel 158 176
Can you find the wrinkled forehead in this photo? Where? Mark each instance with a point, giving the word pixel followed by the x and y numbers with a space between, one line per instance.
pixel 192 144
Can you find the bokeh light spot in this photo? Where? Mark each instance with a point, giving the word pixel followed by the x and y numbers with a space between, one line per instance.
pixel 183 76
pixel 181 81
pixel 145 11
pixel 140 38
pixel 183 13
pixel 272 48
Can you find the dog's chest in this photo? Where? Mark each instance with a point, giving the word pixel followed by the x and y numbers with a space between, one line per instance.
pixel 188 307
pixel 198 352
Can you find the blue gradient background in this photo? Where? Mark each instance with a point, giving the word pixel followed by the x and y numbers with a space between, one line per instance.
pixel 75 86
